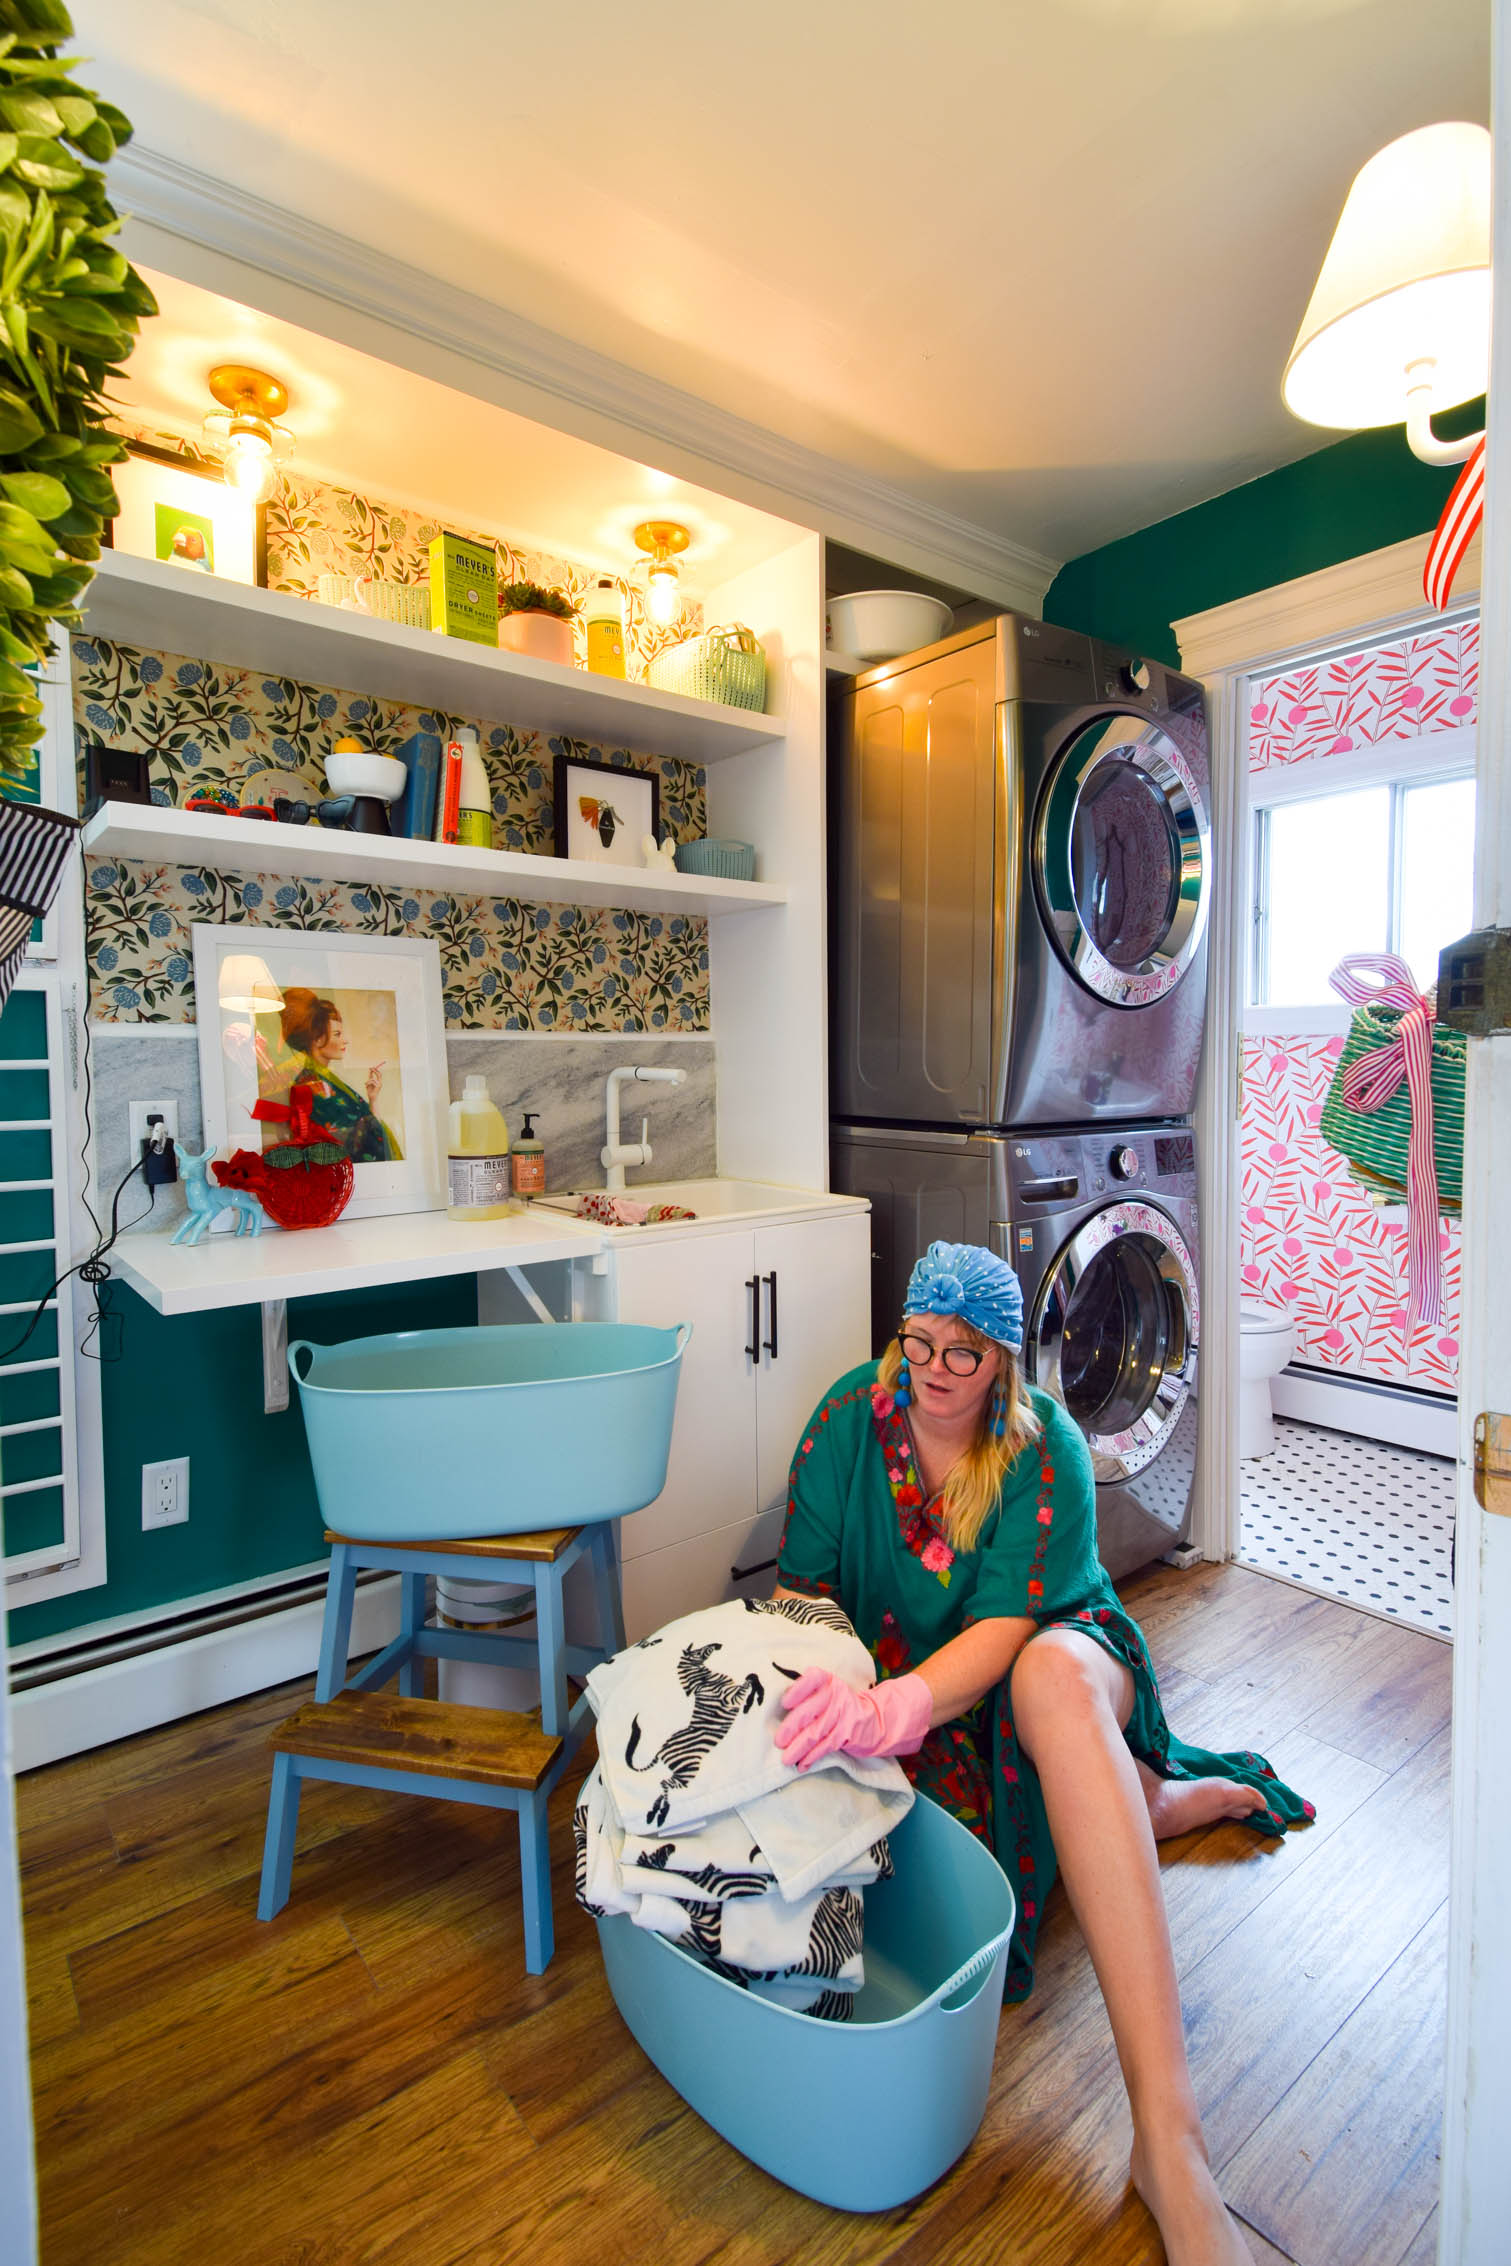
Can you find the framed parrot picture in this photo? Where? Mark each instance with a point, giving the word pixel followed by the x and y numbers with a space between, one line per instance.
pixel 604 811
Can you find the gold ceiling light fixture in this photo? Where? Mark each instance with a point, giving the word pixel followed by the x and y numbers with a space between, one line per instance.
pixel 247 424
pixel 662 538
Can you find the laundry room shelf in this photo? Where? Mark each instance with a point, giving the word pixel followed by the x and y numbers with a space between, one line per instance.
pixel 171 609
pixel 151 831
pixel 253 1270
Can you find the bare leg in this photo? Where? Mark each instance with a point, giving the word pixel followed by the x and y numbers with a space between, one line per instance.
pixel 1070 1700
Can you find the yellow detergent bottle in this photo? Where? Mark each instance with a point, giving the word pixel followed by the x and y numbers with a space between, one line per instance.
pixel 477 1158
pixel 603 612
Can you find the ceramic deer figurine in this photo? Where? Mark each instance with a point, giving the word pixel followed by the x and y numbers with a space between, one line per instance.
pixel 206 1201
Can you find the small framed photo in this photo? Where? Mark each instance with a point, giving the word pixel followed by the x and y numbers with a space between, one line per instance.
pixel 358 1018
pixel 603 814
pixel 186 513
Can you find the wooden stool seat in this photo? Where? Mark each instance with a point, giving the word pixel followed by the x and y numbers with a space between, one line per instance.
pixel 542 1549
pixel 427 1737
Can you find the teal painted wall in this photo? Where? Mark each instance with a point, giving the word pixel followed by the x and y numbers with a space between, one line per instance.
pixel 1357 495
pixel 192 1386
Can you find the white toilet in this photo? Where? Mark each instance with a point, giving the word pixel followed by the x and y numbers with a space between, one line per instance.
pixel 1267 1341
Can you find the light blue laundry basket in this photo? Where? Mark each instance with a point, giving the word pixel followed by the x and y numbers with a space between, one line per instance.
pixel 443 1434
pixel 861 2114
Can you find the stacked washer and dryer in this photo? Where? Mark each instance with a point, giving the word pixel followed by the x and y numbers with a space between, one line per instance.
pixel 1022 876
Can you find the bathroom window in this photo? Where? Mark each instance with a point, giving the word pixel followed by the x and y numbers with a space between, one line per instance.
pixel 1377 868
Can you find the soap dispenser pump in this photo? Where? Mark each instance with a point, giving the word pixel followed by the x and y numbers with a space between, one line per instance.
pixel 529 1159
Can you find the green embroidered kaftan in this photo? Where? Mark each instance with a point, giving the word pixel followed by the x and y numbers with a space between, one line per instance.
pixel 859 1530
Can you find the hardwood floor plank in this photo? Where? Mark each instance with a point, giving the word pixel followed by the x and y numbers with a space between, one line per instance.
pixel 1348 2160
pixel 1424 2245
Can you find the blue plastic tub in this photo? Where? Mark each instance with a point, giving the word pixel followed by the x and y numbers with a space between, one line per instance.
pixel 861 2114
pixel 444 1434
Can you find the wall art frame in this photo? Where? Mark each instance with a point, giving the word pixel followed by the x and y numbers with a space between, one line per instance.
pixel 358 1017
pixel 603 811
pixel 184 509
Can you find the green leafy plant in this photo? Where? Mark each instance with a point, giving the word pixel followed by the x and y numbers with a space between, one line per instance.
pixel 69 310
pixel 535 598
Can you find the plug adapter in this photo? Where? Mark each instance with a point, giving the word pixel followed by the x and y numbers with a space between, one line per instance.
pixel 159 1156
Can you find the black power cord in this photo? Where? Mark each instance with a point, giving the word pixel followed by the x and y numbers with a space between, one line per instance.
pixel 93 1268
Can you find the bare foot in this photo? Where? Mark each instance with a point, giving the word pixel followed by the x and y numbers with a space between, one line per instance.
pixel 1181 2194
pixel 1180 1805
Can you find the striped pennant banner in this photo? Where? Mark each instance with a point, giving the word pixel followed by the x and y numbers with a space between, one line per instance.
pixel 35 846
pixel 1456 530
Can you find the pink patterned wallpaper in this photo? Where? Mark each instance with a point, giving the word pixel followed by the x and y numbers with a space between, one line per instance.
pixel 1311 1240
pixel 1400 691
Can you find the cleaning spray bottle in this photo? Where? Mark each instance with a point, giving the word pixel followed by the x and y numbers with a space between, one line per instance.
pixel 529 1159
pixel 477 1157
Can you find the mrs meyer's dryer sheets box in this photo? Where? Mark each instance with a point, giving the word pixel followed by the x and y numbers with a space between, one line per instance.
pixel 464 589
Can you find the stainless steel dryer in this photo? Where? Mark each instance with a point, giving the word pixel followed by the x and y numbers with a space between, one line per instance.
pixel 1102 1230
pixel 1022 877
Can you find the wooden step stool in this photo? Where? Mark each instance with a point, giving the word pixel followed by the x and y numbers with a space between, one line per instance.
pixel 412 1745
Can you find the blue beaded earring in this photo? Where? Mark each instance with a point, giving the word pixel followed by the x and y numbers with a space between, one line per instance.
pixel 999 1412
pixel 904 1393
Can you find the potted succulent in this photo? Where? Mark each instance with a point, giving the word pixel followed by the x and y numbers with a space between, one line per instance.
pixel 536 621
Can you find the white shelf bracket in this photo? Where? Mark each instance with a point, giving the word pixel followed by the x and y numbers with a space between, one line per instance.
pixel 275 1357
pixel 529 1294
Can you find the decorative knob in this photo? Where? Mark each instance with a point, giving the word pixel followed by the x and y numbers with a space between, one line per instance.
pixel 1124 1163
pixel 1136 675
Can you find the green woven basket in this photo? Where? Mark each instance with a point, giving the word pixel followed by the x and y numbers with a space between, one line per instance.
pixel 723 664
pixel 1375 1142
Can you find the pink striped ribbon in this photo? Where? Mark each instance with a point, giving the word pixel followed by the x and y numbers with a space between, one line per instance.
pixel 1372 1079
pixel 1456 529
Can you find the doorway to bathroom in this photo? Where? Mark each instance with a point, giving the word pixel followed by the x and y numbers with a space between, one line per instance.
pixel 1361 787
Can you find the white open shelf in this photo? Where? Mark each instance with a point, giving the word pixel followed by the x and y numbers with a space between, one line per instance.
pixel 172 609
pixel 327 853
pixel 252 1270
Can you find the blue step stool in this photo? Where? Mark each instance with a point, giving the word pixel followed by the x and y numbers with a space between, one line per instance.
pixel 355 1734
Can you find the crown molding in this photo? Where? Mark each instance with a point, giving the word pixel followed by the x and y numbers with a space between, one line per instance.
pixel 1375 591
pixel 870 513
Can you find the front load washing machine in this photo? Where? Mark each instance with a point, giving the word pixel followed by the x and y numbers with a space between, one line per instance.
pixel 1102 1230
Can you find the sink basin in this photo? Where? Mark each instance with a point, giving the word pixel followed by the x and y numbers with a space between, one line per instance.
pixel 709 1199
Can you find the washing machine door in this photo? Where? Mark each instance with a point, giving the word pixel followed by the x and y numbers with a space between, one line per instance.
pixel 1122 859
pixel 1114 1334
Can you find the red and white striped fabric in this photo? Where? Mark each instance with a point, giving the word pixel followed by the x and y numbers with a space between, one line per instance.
pixel 1372 1079
pixel 1456 530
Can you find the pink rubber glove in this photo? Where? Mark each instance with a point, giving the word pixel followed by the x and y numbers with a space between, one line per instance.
pixel 823 1715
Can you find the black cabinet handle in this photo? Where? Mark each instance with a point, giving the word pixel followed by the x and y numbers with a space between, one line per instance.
pixel 743 1573
pixel 771 1341
pixel 753 1343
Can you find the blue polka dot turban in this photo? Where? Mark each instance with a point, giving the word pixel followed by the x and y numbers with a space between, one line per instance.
pixel 968 1280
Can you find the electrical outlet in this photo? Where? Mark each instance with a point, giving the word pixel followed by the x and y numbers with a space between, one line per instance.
pixel 140 1112
pixel 165 1492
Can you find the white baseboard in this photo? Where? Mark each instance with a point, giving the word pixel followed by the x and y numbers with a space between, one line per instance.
pixel 1375 1412
pixel 74 1713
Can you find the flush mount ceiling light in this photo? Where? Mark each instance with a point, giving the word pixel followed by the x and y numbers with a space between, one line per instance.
pixel 1399 323
pixel 662 538
pixel 248 424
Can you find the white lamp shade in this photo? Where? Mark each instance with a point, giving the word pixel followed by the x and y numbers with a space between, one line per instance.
pixel 247 986
pixel 1406 279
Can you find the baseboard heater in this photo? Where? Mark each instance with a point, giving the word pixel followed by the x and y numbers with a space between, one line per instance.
pixel 1404 1416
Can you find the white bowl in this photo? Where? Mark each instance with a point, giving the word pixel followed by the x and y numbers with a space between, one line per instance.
pixel 877 625
pixel 358 771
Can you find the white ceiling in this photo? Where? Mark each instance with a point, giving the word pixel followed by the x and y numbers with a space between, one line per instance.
pixel 391 434
pixel 1037 263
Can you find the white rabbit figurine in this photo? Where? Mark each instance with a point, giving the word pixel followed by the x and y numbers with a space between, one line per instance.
pixel 664 858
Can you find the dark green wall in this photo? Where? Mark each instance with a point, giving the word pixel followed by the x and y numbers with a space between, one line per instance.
pixel 192 1386
pixel 1357 495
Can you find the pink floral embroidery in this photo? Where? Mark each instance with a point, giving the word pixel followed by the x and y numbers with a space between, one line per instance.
pixel 882 1402
pixel 937 1556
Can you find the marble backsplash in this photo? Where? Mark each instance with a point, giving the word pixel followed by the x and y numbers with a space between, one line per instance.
pixel 561 1079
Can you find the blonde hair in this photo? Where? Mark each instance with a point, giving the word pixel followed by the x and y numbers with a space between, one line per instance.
pixel 976 1477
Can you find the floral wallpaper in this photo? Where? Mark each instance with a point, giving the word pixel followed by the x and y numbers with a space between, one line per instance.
pixel 1424 683
pixel 1313 1242
pixel 506 966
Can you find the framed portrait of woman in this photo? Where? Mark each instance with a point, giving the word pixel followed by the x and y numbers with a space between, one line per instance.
pixel 356 1019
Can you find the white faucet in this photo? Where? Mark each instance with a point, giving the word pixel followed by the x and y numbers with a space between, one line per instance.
pixel 616 1154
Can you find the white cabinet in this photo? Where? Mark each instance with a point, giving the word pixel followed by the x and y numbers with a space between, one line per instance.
pixel 778 1312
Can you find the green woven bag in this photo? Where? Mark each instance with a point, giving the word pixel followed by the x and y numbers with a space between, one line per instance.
pixel 725 664
pixel 1375 1142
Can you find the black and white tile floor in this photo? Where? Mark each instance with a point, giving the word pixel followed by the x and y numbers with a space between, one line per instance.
pixel 1355 1519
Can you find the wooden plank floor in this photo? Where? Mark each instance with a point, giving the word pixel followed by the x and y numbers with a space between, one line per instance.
pixel 372 2078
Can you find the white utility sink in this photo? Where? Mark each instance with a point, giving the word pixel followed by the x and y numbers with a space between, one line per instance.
pixel 709 1199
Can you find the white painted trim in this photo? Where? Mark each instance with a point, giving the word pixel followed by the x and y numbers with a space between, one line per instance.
pixel 1372 592
pixel 571 386
pixel 1393 763
pixel 18 2189
pixel 114 1702
pixel 1346 1404
pixel 1319 1022
pixel 142 1617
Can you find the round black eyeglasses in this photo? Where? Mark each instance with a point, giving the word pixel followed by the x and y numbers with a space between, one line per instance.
pixel 960 1360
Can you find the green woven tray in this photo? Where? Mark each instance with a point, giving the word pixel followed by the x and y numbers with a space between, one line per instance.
pixel 1375 1142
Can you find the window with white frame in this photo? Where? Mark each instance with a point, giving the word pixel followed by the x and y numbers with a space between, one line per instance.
pixel 1373 854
